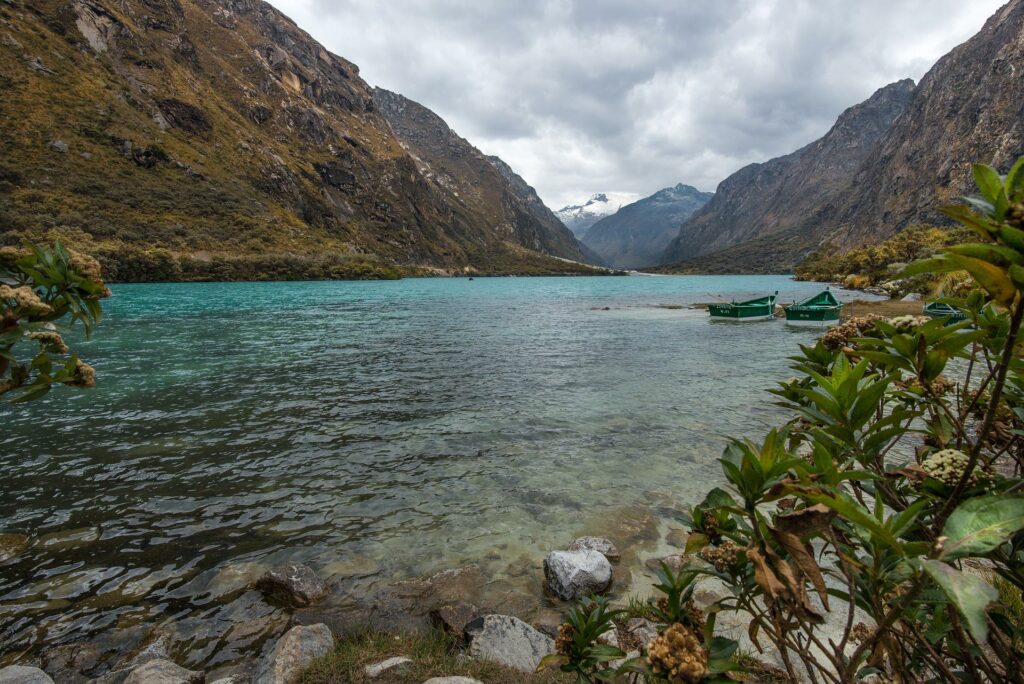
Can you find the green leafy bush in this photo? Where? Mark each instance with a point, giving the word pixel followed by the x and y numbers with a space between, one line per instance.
pixel 43 292
pixel 875 532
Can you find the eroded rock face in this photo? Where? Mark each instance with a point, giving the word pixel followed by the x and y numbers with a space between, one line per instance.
pixel 293 652
pixel 294 585
pixel 573 574
pixel 508 641
pixel 19 674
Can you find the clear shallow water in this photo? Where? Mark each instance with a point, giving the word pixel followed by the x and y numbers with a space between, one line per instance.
pixel 376 430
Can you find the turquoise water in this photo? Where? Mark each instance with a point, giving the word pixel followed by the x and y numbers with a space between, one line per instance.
pixel 375 430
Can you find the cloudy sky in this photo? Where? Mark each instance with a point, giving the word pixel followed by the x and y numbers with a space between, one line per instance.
pixel 631 96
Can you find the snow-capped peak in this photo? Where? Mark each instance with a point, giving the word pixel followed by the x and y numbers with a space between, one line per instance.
pixel 579 217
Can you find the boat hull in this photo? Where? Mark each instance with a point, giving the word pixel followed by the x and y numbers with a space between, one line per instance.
pixel 728 312
pixel 812 319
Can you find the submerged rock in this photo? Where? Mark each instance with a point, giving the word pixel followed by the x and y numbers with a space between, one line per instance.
pixel 294 584
pixel 163 672
pixel 573 574
pixel 11 545
pixel 600 544
pixel 508 641
pixel 293 652
pixel 393 665
pixel 19 674
pixel 69 663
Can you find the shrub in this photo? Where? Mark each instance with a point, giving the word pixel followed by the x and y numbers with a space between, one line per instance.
pixel 894 493
pixel 40 289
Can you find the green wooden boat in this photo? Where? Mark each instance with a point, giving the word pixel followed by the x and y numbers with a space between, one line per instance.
pixel 821 310
pixel 940 310
pixel 760 309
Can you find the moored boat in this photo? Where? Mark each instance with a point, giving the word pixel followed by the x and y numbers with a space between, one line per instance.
pixel 821 310
pixel 759 309
pixel 941 310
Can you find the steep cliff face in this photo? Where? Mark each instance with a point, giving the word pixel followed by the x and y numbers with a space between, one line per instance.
pixel 208 128
pixel 638 233
pixel 486 186
pixel 780 194
pixel 968 108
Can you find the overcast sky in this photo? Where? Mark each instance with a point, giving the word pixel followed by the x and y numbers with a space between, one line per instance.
pixel 635 95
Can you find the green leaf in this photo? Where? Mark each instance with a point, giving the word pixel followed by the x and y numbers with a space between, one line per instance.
pixel 1015 181
pixel 989 183
pixel 981 524
pixel 968 593
pixel 991 277
pixel 551 660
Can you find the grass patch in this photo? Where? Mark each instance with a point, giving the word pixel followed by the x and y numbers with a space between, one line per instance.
pixel 434 654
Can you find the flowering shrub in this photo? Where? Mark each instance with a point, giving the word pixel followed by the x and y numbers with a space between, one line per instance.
pixel 43 292
pixel 872 534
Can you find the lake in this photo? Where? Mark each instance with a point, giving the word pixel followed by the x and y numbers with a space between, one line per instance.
pixel 375 430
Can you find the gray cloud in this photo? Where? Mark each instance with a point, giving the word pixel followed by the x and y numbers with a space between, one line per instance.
pixel 635 95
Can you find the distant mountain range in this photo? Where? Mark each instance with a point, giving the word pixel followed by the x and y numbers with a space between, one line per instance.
pixel 579 217
pixel 158 133
pixel 638 233
pixel 887 163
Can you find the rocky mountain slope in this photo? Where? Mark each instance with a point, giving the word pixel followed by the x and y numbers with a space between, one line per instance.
pixel 638 233
pixel 969 107
pixel 181 138
pixel 764 199
pixel 486 186
pixel 579 217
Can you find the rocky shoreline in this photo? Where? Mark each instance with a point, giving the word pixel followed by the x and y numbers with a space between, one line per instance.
pixel 513 631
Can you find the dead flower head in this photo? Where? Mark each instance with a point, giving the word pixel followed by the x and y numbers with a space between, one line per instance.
pixel 678 655
pixel 84 375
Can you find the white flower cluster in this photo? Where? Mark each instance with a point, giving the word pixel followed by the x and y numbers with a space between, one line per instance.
pixel 948 466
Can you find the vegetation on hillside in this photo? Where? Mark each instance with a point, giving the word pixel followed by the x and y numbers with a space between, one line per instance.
pixel 43 292
pixel 892 500
pixel 883 262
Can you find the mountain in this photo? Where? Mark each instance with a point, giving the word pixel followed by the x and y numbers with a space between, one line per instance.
pixel 638 233
pixel 579 217
pixel 968 108
pixel 216 139
pixel 486 186
pixel 779 195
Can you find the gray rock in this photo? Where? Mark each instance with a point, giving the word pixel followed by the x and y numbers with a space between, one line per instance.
pixel 68 663
pixel 452 680
pixel 19 674
pixel 59 146
pixel 157 647
pixel 508 641
pixel 600 544
pixel 293 652
pixel 454 617
pixel 643 629
pixel 609 638
pixel 393 665
pixel 912 297
pixel 573 574
pixel 294 584
pixel 163 672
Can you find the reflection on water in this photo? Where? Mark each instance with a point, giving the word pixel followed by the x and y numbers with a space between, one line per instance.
pixel 373 430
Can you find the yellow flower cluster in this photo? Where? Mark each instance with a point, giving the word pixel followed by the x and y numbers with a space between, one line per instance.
pixel 9 255
pixel 837 337
pixel 722 557
pixel 85 265
pixel 948 466
pixel 51 340
pixel 85 376
pixel 26 301
pixel 678 655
